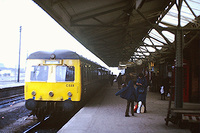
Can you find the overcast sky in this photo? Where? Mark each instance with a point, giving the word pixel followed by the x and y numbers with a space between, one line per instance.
pixel 39 32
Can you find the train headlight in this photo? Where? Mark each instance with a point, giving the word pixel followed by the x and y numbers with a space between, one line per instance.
pixel 51 94
pixel 33 93
pixel 52 56
pixel 69 94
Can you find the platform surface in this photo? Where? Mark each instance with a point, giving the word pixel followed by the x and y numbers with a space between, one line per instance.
pixel 105 113
pixel 7 84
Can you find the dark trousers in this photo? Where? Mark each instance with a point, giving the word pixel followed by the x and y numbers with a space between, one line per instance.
pixel 128 106
pixel 163 96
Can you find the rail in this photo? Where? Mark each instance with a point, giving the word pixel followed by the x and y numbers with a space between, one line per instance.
pixel 11 95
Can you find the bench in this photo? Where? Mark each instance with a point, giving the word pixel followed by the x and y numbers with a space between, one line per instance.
pixel 182 116
pixel 191 118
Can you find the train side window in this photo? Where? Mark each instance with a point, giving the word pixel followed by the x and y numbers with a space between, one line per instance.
pixel 65 73
pixel 39 73
pixel 83 72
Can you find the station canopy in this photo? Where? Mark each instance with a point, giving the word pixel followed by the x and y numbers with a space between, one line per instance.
pixel 124 32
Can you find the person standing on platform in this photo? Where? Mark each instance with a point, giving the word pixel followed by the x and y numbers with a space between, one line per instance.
pixel 119 80
pixel 128 93
pixel 162 92
pixel 141 84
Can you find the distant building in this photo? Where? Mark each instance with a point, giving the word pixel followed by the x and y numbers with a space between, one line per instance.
pixel 5 73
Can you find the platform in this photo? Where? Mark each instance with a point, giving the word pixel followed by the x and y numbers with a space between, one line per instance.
pixel 8 84
pixel 105 113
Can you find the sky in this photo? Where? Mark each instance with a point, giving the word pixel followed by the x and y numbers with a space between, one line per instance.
pixel 39 32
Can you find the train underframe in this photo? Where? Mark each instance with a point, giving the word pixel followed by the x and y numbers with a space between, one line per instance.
pixel 46 108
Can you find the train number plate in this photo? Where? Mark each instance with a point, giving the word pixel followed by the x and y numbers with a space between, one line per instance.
pixel 69 85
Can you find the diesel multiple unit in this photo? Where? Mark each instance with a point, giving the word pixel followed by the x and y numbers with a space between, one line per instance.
pixel 59 80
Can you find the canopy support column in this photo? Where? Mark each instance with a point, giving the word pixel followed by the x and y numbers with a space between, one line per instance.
pixel 179 61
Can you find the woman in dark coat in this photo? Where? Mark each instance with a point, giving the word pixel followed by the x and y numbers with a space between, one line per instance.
pixel 141 84
pixel 129 94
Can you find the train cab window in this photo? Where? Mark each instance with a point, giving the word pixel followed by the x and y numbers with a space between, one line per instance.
pixel 64 73
pixel 39 73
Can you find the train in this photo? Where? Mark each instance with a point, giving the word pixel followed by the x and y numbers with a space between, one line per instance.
pixel 60 80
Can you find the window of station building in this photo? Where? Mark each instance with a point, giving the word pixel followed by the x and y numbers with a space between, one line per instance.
pixel 65 73
pixel 39 73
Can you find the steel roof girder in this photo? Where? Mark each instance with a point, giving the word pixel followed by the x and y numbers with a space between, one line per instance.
pixel 156 40
pixel 97 12
pixel 155 27
pixel 165 11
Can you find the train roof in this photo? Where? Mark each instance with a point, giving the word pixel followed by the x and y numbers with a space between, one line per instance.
pixel 59 54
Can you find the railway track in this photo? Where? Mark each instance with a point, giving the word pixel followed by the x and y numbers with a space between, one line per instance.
pixel 36 126
pixel 52 123
pixel 7 101
pixel 11 95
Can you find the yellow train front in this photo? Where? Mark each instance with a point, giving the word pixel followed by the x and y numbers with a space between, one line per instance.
pixel 59 80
